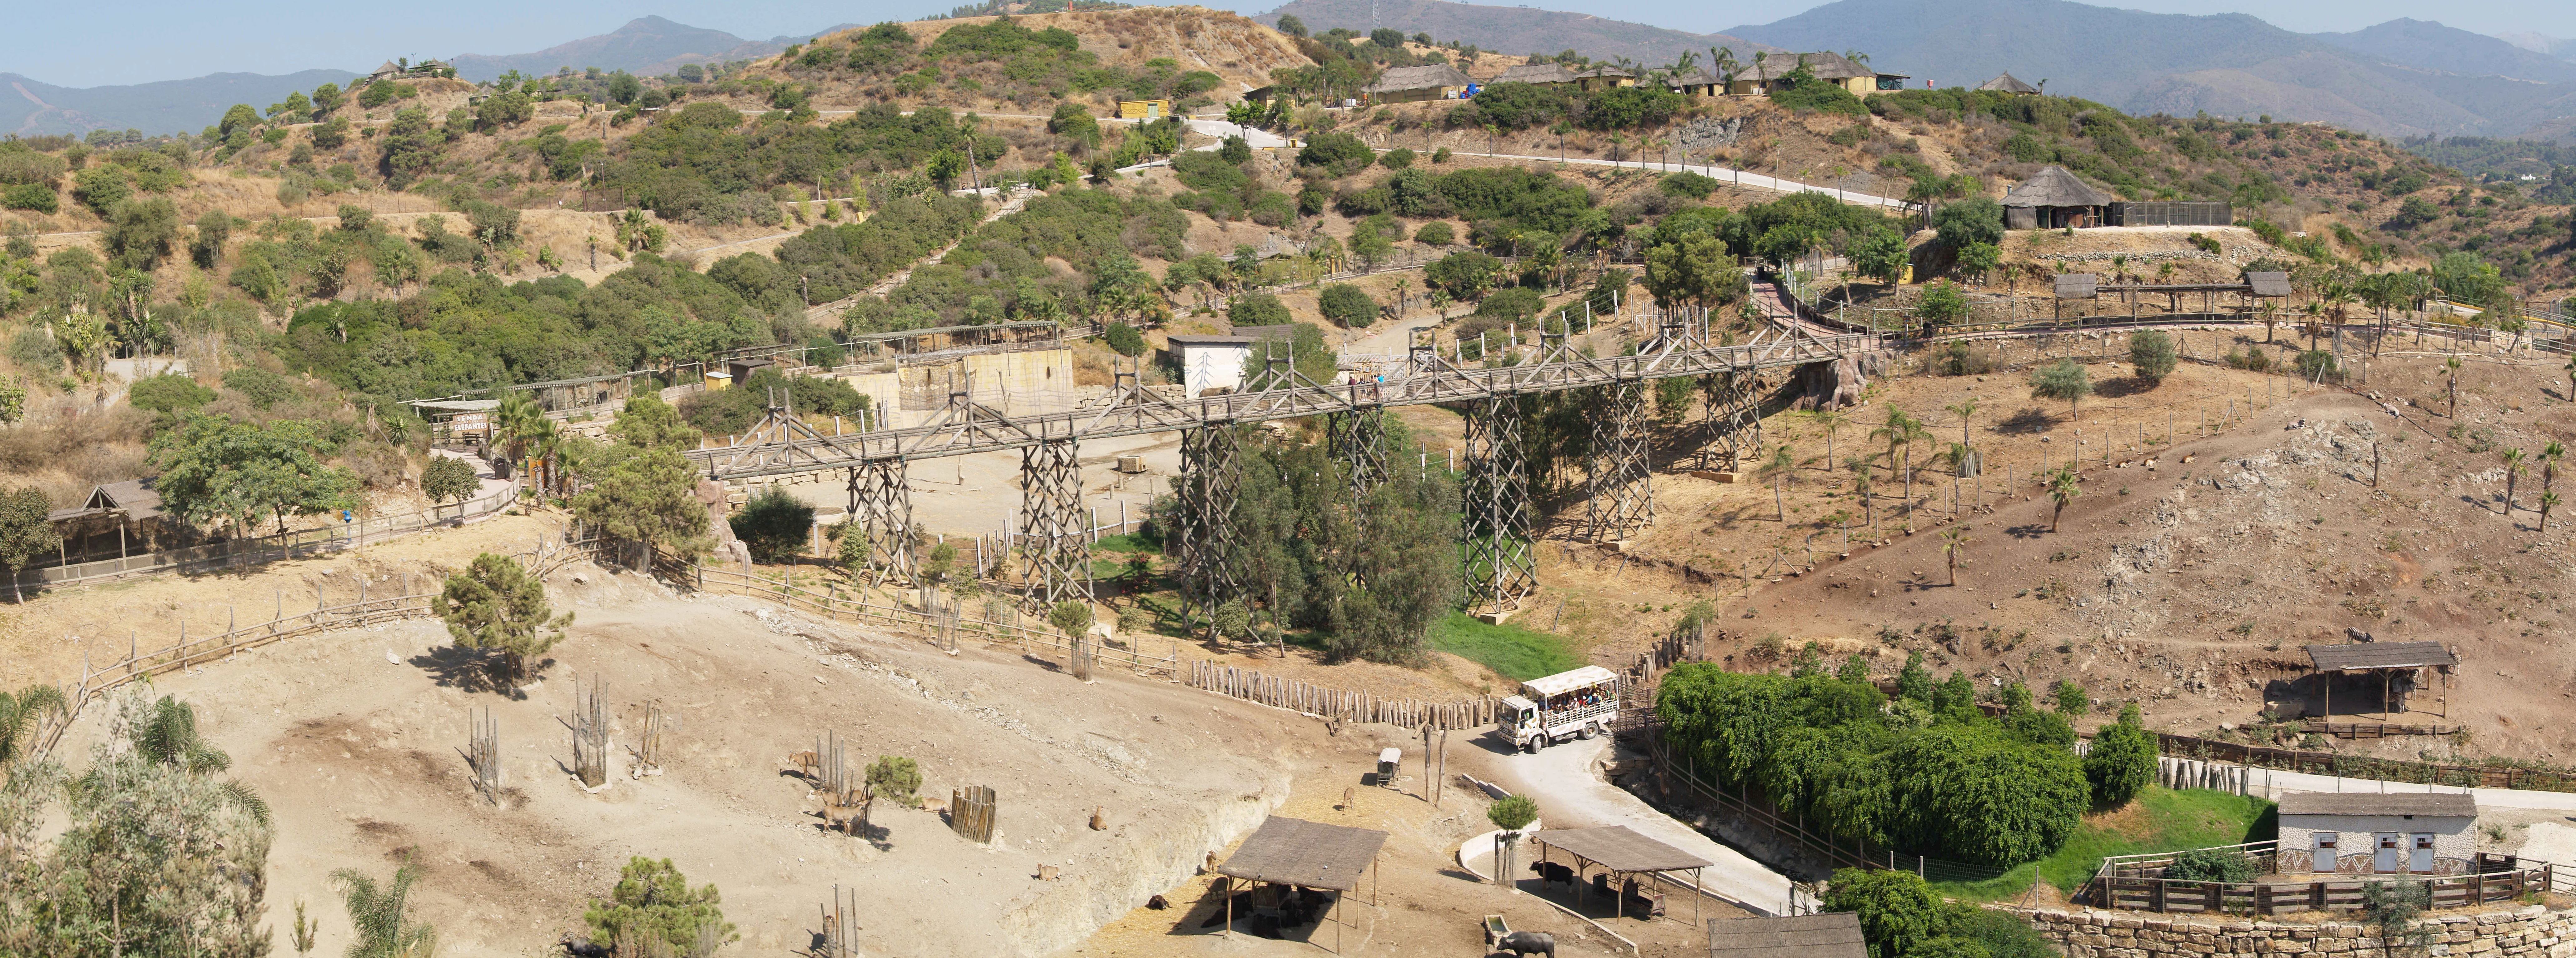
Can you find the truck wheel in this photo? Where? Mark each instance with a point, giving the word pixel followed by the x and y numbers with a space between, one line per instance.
pixel 1588 732
pixel 1530 745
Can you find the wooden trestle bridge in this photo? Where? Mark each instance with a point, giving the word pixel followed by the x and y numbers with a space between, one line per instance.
pixel 1495 487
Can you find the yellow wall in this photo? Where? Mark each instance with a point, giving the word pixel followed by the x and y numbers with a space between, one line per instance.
pixel 1144 109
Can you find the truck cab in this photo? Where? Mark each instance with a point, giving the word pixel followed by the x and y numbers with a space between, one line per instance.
pixel 1576 704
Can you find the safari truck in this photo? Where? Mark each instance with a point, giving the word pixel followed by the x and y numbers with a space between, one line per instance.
pixel 1576 704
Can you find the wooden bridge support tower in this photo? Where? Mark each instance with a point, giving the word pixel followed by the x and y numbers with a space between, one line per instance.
pixel 1055 530
pixel 1205 490
pixel 1502 564
pixel 1620 500
pixel 881 509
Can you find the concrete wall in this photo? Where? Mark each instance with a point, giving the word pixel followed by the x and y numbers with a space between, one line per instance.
pixel 2357 845
pixel 2511 933
pixel 1212 367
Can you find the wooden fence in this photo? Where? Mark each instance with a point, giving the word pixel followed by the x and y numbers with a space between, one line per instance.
pixel 292 544
pixel 412 601
pixel 2140 886
pixel 832 603
pixel 2354 766
pixel 1281 692
pixel 2359 730
pixel 971 812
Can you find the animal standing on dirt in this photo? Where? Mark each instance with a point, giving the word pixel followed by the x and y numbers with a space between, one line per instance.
pixel 1550 873
pixel 585 948
pixel 807 764
pixel 1528 943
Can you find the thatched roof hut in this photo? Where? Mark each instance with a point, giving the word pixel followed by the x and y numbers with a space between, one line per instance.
pixel 2052 199
pixel 1402 84
pixel 2007 83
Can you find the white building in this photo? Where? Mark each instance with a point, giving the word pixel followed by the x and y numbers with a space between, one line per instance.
pixel 1216 362
pixel 2357 833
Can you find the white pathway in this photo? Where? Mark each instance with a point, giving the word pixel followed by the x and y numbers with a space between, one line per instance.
pixel 1566 782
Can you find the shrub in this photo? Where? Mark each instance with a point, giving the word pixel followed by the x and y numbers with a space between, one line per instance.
pixel 1348 305
pixel 896 779
pixel 1518 304
pixel 448 479
pixel 2254 360
pixel 1258 309
pixel 1974 220
pixel 1813 94
pixel 32 197
pixel 1689 184
pixel 1436 233
pixel 1463 275
pixel 2316 363
pixel 1897 910
pixel 2122 760
pixel 1124 339
pixel 1071 617
pixel 1335 155
pixel 168 393
pixel 652 910
pixel 774 525
pixel 1396 159
pixel 2211 864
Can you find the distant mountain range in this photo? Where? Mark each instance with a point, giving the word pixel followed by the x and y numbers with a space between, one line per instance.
pixel 2403 78
pixel 1513 30
pixel 646 46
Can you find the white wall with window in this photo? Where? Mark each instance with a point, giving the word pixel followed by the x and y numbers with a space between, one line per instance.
pixel 2372 833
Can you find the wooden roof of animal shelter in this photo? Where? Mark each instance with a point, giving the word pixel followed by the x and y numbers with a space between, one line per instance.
pixel 2269 284
pixel 2054 186
pixel 1621 849
pixel 2007 83
pixel 2077 286
pixel 1291 851
pixel 1830 935
pixel 2364 656
pixel 2380 804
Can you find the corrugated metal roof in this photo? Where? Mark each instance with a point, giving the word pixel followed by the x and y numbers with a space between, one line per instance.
pixel 1621 849
pixel 2379 655
pixel 1292 851
pixel 2439 805
pixel 1564 682
pixel 1834 934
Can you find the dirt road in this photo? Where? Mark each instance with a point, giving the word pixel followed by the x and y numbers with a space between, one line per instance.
pixel 1565 780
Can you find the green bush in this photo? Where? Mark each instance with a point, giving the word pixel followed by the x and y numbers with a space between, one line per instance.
pixel 1124 339
pixel 1519 304
pixel 1974 220
pixel 1396 159
pixel 1512 812
pixel 1258 309
pixel 774 525
pixel 1813 94
pixel 1335 155
pixel 896 779
pixel 2315 363
pixel 168 393
pixel 1897 910
pixel 1689 184
pixel 1348 305
pixel 33 197
pixel 1071 617
pixel 1436 233
pixel 2211 864
pixel 2152 354
pixel 2122 760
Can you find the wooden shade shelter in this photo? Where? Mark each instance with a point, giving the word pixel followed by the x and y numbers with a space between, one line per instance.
pixel 1291 851
pixel 1621 850
pixel 2387 659
pixel 2257 286
pixel 1833 934
pixel 2053 198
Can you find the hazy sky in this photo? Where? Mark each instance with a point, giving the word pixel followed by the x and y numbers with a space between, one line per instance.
pixel 134 41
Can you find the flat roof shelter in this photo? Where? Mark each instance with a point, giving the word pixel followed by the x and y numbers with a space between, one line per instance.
pixel 456 420
pixel 1833 934
pixel 1620 850
pixel 1292 851
pixel 2257 286
pixel 2390 661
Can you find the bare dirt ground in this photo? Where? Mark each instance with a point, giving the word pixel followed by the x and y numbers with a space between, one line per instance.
pixel 355 739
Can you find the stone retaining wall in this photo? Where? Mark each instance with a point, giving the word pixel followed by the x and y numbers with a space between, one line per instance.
pixel 2532 931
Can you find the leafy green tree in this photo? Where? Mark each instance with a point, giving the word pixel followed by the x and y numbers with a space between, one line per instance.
pixel 1914 681
pixel 1970 221
pixel 652 910
pixel 1335 155
pixel 1125 340
pixel 1980 259
pixel 327 98
pixel 380 916
pixel 206 247
pixel 1440 233
pixel 449 479
pixel 2070 697
pixel 647 496
pixel 102 187
pixel 1463 275
pixel 506 109
pixel 411 147
pixel 141 232
pixel 2122 760
pixel 379 93
pixel 895 779
pixel 2064 379
pixel 1880 254
pixel 1512 812
pixel 1897 910
pixel 496 606
pixel 216 470
pixel 1071 617
pixel 1258 309
pixel 774 525
pixel 237 119
pixel 2152 355
pixel 1697 270
pixel 1348 305
pixel 25 533
pixel 1944 304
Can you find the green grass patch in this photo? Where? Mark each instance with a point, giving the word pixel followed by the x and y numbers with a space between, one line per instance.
pixel 1519 654
pixel 1128 542
pixel 2158 820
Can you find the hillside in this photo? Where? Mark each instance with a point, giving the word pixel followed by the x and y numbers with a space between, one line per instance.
pixel 1515 30
pixel 2225 65
pixel 32 108
pixel 2431 46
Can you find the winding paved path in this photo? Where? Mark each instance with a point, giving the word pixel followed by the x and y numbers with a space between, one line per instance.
pixel 1566 781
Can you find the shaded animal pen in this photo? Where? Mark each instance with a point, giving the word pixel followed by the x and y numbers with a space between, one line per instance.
pixel 2137 883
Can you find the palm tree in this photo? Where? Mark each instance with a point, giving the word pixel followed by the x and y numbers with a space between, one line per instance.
pixel 1831 419
pixel 2062 489
pixel 1722 61
pixel 1951 543
pixel 1856 56
pixel 381 916
pixel 2512 471
pixel 1900 432
pixel 2548 501
pixel 1963 409
pixel 514 423
pixel 1778 467
pixel 2549 463
pixel 2452 363
pixel 1859 466
pixel 21 714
